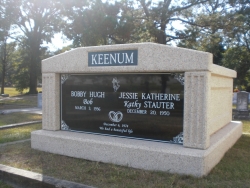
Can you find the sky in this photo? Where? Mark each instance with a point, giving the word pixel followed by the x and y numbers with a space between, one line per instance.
pixel 58 42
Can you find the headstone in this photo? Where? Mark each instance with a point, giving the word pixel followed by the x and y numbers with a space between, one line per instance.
pixel 5 95
pixel 235 98
pixel 39 100
pixel 242 101
pixel 146 106
pixel 242 111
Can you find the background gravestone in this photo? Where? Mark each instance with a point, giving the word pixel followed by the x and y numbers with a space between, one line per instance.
pixel 39 100
pixel 234 98
pixel 242 111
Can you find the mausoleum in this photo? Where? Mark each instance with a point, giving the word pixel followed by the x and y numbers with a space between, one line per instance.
pixel 146 106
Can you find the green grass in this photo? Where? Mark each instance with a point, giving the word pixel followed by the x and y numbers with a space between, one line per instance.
pixel 20 101
pixel 233 170
pixel 13 92
pixel 246 127
pixel 18 118
pixel 3 185
pixel 18 133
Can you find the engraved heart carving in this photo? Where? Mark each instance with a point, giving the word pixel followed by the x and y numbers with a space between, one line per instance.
pixel 115 116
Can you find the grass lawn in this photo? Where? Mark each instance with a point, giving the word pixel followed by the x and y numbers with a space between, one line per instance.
pixel 246 127
pixel 3 185
pixel 233 170
pixel 18 133
pixel 18 101
pixel 13 92
pixel 18 118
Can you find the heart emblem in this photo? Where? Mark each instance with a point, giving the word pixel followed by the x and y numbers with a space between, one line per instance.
pixel 115 116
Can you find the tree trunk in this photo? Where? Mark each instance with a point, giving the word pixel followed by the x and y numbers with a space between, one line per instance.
pixel 33 75
pixel 3 67
pixel 161 37
pixel 34 61
pixel 33 80
pixel 3 78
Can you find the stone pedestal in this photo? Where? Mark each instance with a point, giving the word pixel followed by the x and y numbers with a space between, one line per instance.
pixel 241 114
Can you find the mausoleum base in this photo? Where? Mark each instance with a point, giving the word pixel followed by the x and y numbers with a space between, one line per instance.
pixel 139 153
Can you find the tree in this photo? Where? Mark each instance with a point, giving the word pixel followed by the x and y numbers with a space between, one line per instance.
pixel 127 21
pixel 38 21
pixel 160 18
pixel 238 37
pixel 223 29
pixel 238 59
pixel 7 59
pixel 20 66
pixel 59 51
pixel 99 23
pixel 20 69
pixel 212 43
pixel 205 29
pixel 8 10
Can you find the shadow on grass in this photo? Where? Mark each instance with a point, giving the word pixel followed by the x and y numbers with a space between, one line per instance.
pixel 232 171
pixel 18 133
pixel 3 185
pixel 18 117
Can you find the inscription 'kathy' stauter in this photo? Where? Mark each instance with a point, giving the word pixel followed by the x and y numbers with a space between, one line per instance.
pixel 150 97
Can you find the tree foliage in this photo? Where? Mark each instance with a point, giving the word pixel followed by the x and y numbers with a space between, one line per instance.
pixel 8 9
pixel 99 23
pixel 38 22
pixel 221 27
pixel 127 21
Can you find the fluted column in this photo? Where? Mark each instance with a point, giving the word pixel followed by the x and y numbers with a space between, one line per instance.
pixel 51 101
pixel 196 98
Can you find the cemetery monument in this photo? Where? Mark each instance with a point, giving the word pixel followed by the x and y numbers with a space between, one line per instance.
pixel 146 106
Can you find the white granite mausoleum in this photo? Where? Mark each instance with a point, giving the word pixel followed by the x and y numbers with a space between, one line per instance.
pixel 208 128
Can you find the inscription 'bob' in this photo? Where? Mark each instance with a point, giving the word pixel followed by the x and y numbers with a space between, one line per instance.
pixel 113 58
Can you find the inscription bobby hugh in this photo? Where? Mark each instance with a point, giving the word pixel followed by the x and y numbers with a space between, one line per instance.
pixel 113 58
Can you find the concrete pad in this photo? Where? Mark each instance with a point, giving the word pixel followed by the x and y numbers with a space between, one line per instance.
pixel 139 153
